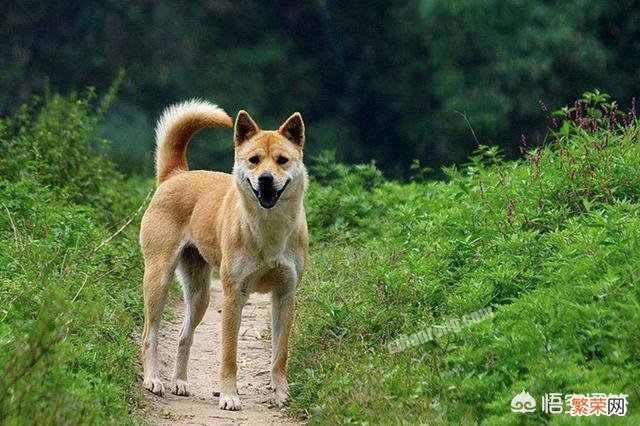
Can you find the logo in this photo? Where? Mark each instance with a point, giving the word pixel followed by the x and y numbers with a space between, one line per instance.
pixel 596 404
pixel 576 405
pixel 523 403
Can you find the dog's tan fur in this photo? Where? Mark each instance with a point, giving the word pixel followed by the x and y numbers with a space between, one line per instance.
pixel 201 219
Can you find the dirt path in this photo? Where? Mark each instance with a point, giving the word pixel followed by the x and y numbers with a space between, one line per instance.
pixel 201 407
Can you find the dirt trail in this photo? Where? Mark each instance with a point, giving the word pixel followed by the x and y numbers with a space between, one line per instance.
pixel 201 407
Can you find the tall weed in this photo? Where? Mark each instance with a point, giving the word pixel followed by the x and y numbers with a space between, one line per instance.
pixel 550 243
pixel 67 309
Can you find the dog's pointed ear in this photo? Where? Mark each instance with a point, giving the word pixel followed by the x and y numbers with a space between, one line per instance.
pixel 293 129
pixel 245 128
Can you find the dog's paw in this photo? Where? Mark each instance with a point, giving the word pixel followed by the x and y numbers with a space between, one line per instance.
pixel 154 385
pixel 180 387
pixel 230 402
pixel 280 388
pixel 281 397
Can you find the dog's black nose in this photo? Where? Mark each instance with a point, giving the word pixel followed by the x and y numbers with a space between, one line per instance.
pixel 265 178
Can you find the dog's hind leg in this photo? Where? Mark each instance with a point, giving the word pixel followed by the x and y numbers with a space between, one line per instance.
pixel 195 275
pixel 158 274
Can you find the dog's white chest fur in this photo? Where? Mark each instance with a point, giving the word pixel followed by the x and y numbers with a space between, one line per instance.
pixel 269 247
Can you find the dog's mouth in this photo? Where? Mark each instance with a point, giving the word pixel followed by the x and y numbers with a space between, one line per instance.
pixel 267 195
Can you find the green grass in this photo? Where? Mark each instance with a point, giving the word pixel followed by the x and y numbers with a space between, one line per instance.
pixel 68 306
pixel 551 243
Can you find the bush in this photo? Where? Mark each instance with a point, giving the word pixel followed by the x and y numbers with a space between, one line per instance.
pixel 67 304
pixel 548 242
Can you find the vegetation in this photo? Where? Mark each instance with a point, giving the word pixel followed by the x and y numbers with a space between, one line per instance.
pixel 69 296
pixel 383 80
pixel 550 243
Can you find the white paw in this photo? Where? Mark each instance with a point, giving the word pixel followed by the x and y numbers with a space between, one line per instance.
pixel 230 402
pixel 281 397
pixel 154 385
pixel 180 387
pixel 280 388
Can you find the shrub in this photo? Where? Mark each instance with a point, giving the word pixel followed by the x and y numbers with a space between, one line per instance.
pixel 548 242
pixel 67 308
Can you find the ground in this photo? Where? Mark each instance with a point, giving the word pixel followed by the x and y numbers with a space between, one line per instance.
pixel 254 352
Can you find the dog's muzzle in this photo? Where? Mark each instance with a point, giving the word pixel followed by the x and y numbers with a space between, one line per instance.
pixel 266 193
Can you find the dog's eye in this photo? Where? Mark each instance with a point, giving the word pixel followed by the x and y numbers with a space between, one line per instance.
pixel 254 160
pixel 282 160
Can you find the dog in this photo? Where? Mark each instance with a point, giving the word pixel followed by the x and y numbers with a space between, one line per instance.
pixel 250 225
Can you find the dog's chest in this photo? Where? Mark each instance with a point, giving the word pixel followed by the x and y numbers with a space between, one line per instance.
pixel 266 253
pixel 271 244
pixel 270 239
pixel 270 251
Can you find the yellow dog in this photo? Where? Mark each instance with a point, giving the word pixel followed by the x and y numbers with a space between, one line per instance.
pixel 251 225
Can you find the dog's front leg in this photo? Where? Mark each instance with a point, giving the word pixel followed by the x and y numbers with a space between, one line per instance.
pixel 282 308
pixel 232 303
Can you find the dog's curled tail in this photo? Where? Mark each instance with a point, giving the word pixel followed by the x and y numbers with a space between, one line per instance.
pixel 177 124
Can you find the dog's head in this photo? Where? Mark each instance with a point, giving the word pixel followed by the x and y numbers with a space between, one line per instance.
pixel 268 163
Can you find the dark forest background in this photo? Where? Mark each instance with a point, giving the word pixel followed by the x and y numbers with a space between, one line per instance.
pixel 390 81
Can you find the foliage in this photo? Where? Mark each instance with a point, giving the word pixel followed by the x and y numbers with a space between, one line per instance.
pixel 391 80
pixel 67 303
pixel 549 242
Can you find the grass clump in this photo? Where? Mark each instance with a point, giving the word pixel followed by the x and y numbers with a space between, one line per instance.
pixel 551 243
pixel 67 307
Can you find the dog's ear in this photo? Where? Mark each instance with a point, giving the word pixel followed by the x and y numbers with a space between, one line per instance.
pixel 245 128
pixel 293 129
